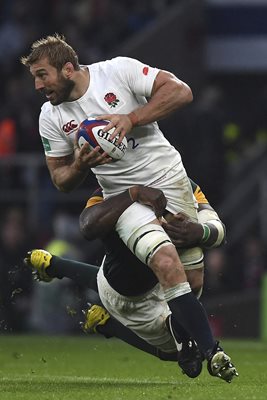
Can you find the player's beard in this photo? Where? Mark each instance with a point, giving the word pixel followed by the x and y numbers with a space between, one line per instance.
pixel 63 91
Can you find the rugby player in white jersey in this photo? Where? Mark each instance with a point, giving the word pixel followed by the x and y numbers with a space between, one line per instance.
pixel 141 95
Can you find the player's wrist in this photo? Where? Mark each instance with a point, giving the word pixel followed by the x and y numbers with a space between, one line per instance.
pixel 133 193
pixel 80 168
pixel 206 233
pixel 133 118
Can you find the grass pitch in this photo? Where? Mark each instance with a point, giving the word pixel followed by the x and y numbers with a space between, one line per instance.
pixel 89 367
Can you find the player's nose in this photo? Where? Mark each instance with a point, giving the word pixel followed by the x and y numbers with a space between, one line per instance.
pixel 38 84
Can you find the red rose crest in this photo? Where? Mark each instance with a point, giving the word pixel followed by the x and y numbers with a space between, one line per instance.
pixel 111 99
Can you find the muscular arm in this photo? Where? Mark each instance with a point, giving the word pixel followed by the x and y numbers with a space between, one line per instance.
pixel 65 173
pixel 168 94
pixel 98 220
pixel 70 171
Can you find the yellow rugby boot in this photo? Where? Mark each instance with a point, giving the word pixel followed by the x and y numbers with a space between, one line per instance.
pixel 94 316
pixel 39 260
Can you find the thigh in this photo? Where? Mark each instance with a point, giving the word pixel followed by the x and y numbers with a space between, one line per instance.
pixel 133 218
pixel 180 198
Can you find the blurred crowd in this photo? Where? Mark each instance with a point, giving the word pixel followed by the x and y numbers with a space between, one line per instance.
pixel 96 28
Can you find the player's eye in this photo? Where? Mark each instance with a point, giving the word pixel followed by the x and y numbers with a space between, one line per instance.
pixel 41 76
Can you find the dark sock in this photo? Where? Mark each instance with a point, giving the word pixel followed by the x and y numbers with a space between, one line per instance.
pixel 188 312
pixel 81 273
pixel 113 328
pixel 180 332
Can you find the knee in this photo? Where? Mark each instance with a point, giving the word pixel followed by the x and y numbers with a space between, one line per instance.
pixel 165 258
pixel 167 266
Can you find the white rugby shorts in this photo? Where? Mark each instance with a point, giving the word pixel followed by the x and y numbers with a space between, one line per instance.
pixel 144 315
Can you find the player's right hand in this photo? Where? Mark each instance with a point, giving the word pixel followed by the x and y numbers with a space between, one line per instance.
pixel 120 122
pixel 149 196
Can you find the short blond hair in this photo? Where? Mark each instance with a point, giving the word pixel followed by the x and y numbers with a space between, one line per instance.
pixel 55 49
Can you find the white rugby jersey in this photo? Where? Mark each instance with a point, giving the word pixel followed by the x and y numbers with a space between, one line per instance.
pixel 117 86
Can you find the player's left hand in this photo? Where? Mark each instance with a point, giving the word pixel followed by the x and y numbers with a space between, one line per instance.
pixel 121 123
pixel 86 158
pixel 182 231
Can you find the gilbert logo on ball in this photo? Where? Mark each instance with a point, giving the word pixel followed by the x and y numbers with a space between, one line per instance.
pixel 91 131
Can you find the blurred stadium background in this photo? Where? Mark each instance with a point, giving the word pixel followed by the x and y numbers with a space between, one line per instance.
pixel 219 47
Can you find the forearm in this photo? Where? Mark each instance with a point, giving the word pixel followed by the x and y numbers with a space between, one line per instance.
pixel 169 97
pixel 214 232
pixel 66 172
pixel 97 221
pixel 69 178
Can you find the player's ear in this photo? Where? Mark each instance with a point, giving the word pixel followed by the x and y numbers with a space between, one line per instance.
pixel 68 70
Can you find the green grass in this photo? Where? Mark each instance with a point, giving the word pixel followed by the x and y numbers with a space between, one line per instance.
pixel 89 367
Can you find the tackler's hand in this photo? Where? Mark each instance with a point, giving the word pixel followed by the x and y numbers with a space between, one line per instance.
pixel 182 231
pixel 149 196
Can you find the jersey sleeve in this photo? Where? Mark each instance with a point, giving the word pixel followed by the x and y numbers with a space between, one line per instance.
pixel 96 197
pixel 54 142
pixel 199 195
pixel 137 76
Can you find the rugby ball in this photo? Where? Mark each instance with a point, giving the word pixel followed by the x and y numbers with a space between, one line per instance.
pixel 91 131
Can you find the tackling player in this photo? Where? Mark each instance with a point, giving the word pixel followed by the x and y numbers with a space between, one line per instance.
pixel 131 278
